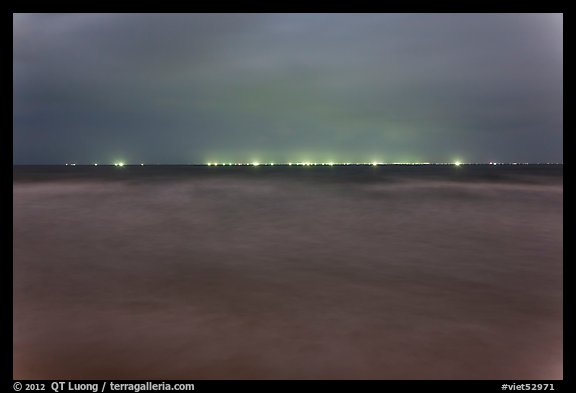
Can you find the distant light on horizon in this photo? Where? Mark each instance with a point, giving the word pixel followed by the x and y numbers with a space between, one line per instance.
pixel 360 163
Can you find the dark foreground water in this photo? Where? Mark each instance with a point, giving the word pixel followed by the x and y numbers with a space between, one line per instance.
pixel 295 272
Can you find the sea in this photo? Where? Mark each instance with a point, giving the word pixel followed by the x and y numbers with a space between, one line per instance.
pixel 411 272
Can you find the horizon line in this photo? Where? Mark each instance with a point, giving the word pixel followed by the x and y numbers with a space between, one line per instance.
pixel 222 164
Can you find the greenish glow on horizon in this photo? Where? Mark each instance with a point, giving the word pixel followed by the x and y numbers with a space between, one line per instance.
pixel 318 163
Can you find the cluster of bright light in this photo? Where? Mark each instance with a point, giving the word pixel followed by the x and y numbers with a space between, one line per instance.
pixel 331 163
pixel 302 163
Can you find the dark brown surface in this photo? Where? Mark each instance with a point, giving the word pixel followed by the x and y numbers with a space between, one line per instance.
pixel 247 278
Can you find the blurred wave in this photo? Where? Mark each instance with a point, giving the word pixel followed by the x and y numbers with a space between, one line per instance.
pixel 409 275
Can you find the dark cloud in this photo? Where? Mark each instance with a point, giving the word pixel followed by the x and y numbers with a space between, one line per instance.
pixel 280 87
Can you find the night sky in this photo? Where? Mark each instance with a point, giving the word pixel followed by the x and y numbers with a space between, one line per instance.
pixel 195 88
